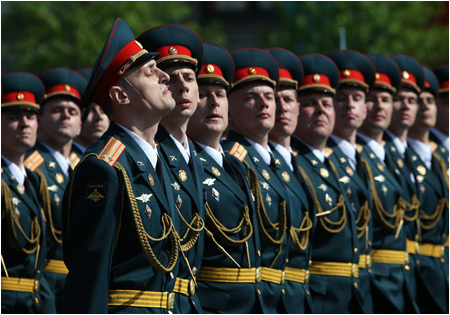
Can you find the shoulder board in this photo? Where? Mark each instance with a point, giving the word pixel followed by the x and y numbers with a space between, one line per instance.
pixel 74 159
pixel 383 143
pixel 34 161
pixel 434 146
pixel 295 152
pixel 112 151
pixel 328 152
pixel 2 170
pixel 238 150
pixel 359 148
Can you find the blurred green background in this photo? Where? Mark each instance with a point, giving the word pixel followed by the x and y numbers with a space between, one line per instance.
pixel 36 36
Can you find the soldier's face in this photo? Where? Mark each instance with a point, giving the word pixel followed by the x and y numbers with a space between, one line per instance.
pixel 60 120
pixel 286 114
pixel 442 116
pixel 95 124
pixel 350 108
pixel 19 130
pixel 379 110
pixel 211 116
pixel 184 88
pixel 426 116
pixel 406 105
pixel 252 109
pixel 316 117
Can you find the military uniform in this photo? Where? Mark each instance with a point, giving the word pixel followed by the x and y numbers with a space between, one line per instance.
pixel 24 196
pixel 181 45
pixel 58 82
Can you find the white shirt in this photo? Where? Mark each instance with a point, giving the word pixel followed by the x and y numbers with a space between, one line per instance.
pixel 441 136
pixel 319 154
pixel 19 173
pixel 347 148
pixel 285 153
pixel 376 147
pixel 184 149
pixel 213 153
pixel 423 150
pixel 265 154
pixel 401 146
pixel 63 162
pixel 149 151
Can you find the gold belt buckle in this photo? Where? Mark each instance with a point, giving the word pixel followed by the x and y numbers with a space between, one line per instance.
pixel 369 261
pixel 191 287
pixel 36 286
pixel 354 270
pixel 258 275
pixel 307 276
pixel 283 277
pixel 406 258
pixel 171 300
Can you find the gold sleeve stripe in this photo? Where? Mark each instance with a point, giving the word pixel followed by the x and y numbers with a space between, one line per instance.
pixel 112 151
pixel 34 161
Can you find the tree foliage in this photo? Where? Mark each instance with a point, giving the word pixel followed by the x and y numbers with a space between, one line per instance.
pixel 419 28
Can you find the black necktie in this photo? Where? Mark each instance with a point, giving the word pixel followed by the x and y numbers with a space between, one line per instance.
pixel 28 188
pixel 295 167
pixel 159 171
pixel 359 167
pixel 272 164
pixel 230 170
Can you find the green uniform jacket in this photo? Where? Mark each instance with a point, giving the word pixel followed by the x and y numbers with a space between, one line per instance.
pixel 228 194
pixel 187 193
pixel 25 207
pixel 102 247
pixel 273 194
pixel 331 293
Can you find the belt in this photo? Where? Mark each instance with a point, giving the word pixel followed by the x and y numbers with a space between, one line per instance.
pixel 297 275
pixel 272 275
pixel 56 266
pixel 365 261
pixel 334 269
pixel 137 298
pixel 387 256
pixel 183 286
pixel 412 247
pixel 432 250
pixel 229 275
pixel 20 284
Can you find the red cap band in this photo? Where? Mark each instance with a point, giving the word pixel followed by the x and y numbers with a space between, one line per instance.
pixel 443 85
pixel 382 79
pixel 208 69
pixel 351 75
pixel 285 74
pixel 248 72
pixel 173 50
pixel 63 89
pixel 19 96
pixel 316 79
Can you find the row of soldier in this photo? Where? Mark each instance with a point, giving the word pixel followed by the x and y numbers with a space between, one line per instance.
pixel 311 184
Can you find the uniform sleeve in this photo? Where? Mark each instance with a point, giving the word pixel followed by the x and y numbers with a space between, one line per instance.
pixel 91 212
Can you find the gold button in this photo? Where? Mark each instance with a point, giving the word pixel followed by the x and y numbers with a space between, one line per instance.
pixel 405 75
pixel 209 69
pixel 346 73
pixel 194 270
pixel 252 71
pixel 259 291
pixel 173 51
pixel 417 261
pixel 355 250
pixel 316 78
pixel 287 260
pixel 36 285
pixel 36 299
pixel 370 243
pixel 443 260
pixel 307 292
pixel 407 267
pixel 310 262
pixel 67 88
pixel 282 291
pixel 355 284
pixel 259 253
pixel 20 96
pixel 377 76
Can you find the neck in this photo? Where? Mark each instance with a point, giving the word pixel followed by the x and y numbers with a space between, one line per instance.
pixel 375 134
pixel 346 134
pixel 420 135
pixel 211 140
pixel 318 144
pixel 63 148
pixel 178 131
pixel 402 133
pixel 15 157
pixel 284 141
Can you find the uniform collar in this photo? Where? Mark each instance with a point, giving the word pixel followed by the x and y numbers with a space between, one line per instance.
pixel 347 148
pixel 265 154
pixel 79 146
pixel 216 155
pixel 19 173
pixel 401 147
pixel 319 154
pixel 184 149
pixel 441 136
pixel 149 151
pixel 423 150
pixel 376 147
pixel 63 162
pixel 285 153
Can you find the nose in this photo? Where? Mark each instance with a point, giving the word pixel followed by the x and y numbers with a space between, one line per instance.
pixel 163 76
pixel 262 102
pixel 212 100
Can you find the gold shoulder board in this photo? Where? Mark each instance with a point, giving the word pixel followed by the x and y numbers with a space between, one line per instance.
pixel 359 148
pixel 34 161
pixel 434 146
pixel 112 151
pixel 328 152
pixel 238 151
pixel 74 159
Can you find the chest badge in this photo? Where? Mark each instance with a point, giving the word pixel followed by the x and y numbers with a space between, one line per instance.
pixel 20 189
pixel 59 178
pixel 286 176
pixel 51 164
pixel 215 171
pixel 209 181
pixel 215 194
pixel 324 172
pixel 349 171
pixel 175 186
pixel 265 174
pixel 182 175
pixel 144 197
pixel 151 180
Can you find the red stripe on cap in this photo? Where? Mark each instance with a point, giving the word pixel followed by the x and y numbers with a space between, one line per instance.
pixel 18 96
pixel 427 84
pixel 316 79
pixel 351 74
pixel 110 76
pixel 408 77
pixel 285 74
pixel 443 85
pixel 248 72
pixel 383 79
pixel 173 50
pixel 64 88
pixel 211 68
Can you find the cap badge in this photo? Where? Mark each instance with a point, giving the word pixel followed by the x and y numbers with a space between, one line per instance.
pixel 377 76
pixel 20 96
pixel 405 75
pixel 252 71
pixel 67 88
pixel 173 51
pixel 139 44
pixel 209 69
pixel 346 73
pixel 316 78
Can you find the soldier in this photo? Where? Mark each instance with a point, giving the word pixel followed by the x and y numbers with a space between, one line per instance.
pixel 119 242
pixel 297 298
pixel 432 294
pixel 356 80
pixel 392 216
pixel 24 194
pixel 95 123
pixel 181 56
pixel 59 123
pixel 229 277
pixel 335 255
pixel 252 116
pixel 439 133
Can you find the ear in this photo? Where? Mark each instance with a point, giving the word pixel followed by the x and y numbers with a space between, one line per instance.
pixel 118 95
